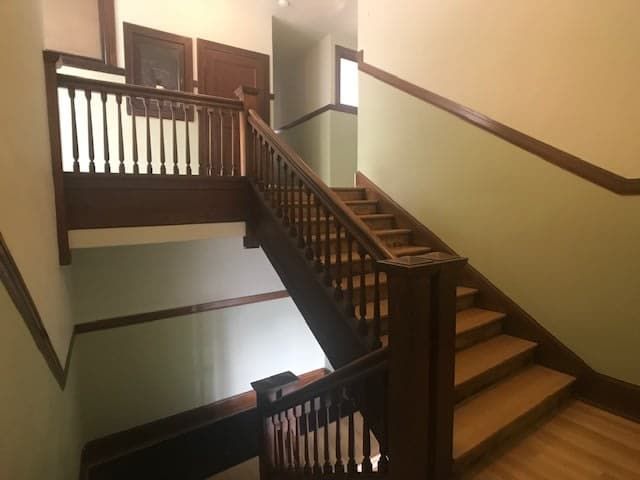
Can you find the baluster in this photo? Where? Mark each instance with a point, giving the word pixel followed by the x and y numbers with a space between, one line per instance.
pixel 176 170
pixel 352 466
pixel 338 286
pixel 105 134
pixel 337 401
pixel 300 215
pixel 287 439
pixel 187 145
pixel 256 153
pixel 221 114
pixel 383 463
pixel 293 230
pixel 202 111
pixel 120 136
pixel 306 412
pixel 296 441
pixel 233 144
pixel 318 239
pixel 279 210
pixel 326 403
pixel 145 101
pixel 377 327
pixel 279 462
pixel 272 174
pixel 317 470
pixel 366 446
pixel 363 291
pixel 134 137
pixel 74 131
pixel 274 442
pixel 309 251
pixel 163 159
pixel 285 206
pixel 350 301
pixel 212 143
pixel 92 165
pixel 327 248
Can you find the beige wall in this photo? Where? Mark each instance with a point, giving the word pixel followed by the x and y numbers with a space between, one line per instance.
pixel 72 26
pixel 563 71
pixel 41 435
pixel 27 215
pixel 564 249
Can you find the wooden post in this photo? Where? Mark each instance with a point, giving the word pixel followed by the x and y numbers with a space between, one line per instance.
pixel 51 62
pixel 267 391
pixel 422 306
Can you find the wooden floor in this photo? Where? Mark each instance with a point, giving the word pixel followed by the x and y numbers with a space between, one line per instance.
pixel 580 442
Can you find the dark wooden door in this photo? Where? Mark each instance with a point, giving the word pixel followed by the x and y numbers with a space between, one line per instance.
pixel 221 70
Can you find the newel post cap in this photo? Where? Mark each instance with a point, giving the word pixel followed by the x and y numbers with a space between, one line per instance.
pixel 244 91
pixel 426 264
pixel 274 385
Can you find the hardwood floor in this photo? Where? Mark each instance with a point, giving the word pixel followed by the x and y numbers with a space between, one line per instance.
pixel 580 442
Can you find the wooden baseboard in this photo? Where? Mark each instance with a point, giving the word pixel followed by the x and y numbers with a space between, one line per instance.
pixel 605 392
pixel 190 445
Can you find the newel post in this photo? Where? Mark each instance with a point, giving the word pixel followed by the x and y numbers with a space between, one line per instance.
pixel 52 61
pixel 249 97
pixel 267 391
pixel 422 305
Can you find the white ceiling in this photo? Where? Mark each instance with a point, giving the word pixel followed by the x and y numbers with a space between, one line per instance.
pixel 305 21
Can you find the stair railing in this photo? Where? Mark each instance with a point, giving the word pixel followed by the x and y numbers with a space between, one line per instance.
pixel 321 430
pixel 419 398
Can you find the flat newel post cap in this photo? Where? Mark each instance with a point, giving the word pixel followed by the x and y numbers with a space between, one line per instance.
pixel 420 264
pixel 244 91
pixel 274 383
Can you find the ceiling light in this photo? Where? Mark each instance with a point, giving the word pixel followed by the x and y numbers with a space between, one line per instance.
pixel 283 3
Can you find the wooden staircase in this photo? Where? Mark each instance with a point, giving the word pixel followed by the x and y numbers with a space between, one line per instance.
pixel 499 390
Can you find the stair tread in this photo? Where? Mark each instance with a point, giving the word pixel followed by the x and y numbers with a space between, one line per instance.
pixel 373 216
pixel 485 356
pixel 409 250
pixel 392 231
pixel 472 318
pixel 492 410
pixel 361 202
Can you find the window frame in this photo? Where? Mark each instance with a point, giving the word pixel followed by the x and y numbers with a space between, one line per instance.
pixel 348 54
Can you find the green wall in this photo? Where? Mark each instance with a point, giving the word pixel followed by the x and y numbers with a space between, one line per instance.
pixel 41 435
pixel 564 249
pixel 328 143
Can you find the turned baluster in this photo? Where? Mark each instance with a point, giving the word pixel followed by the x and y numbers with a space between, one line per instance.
pixel 163 159
pixel 120 136
pixel 187 145
pixel 293 228
pixel 279 210
pixel 363 290
pixel 221 166
pixel 296 439
pixel 285 206
pixel 279 462
pixel 306 412
pixel 383 440
pixel 176 171
pixel 274 440
pixel 350 301
pixel 352 465
pixel 147 106
pixel 326 404
pixel 318 237
pixel 288 443
pixel 272 175
pixel 233 144
pixel 212 140
pixel 367 467
pixel 300 215
pixel 377 327
pixel 327 248
pixel 92 165
pixel 338 286
pixel 309 251
pixel 317 469
pixel 337 402
pixel 256 153
pixel 74 131
pixel 134 137
pixel 105 134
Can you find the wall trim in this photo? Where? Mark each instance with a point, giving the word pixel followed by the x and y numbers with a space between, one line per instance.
pixel 605 392
pixel 588 171
pixel 316 112
pixel 137 318
pixel 107 25
pixel 19 293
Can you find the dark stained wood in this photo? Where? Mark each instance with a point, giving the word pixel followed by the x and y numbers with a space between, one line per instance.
pixel 349 54
pixel 594 174
pixel 19 293
pixel 51 60
pixel 194 444
pixel 318 111
pixel 86 63
pixel 105 133
pixel 607 393
pixel 90 146
pixel 103 201
pixel 146 317
pixel 107 21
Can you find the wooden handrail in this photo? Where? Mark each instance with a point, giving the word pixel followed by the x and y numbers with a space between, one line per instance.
pixel 357 228
pixel 80 83
pixel 358 369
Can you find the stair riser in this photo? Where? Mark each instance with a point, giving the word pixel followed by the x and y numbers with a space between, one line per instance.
pixel 380 223
pixel 487 447
pixel 492 376
pixel 364 209
pixel 470 338
pixel 348 195
pixel 468 301
pixel 396 240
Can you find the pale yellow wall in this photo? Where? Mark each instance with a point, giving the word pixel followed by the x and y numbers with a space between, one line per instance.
pixel 27 214
pixel 563 71
pixel 344 148
pixel 72 26
pixel 564 249
pixel 41 435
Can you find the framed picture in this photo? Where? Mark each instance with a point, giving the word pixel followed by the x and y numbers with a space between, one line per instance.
pixel 159 60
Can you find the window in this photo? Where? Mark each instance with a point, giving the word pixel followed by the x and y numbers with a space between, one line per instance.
pixel 346 77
